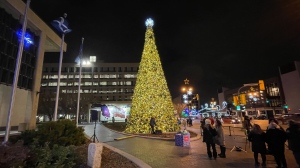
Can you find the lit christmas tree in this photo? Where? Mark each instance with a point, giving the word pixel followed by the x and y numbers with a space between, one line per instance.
pixel 151 96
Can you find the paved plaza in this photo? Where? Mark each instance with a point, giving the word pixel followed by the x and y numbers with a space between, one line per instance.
pixel 164 154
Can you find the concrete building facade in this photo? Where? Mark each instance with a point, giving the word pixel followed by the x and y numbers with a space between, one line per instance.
pixel 44 40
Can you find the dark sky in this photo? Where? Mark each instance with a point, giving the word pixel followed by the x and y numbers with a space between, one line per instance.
pixel 212 43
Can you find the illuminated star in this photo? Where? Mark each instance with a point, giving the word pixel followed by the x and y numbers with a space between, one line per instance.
pixel 186 81
pixel 149 22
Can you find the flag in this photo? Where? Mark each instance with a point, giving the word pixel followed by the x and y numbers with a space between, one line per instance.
pixel 61 24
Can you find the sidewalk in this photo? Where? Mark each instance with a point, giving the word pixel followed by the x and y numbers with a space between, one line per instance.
pixel 239 158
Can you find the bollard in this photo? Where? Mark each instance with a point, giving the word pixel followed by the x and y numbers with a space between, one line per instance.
pixel 229 131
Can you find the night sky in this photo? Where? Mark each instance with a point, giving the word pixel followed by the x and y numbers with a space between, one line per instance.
pixel 211 43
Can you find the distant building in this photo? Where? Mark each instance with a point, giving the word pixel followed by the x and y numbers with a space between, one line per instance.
pixel 43 40
pixel 101 83
pixel 280 95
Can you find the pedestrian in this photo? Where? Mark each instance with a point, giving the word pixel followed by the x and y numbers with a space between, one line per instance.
pixel 208 135
pixel 190 121
pixel 247 124
pixel 275 138
pixel 220 138
pixel 293 137
pixel 113 120
pixel 202 124
pixel 184 123
pixel 152 124
pixel 258 138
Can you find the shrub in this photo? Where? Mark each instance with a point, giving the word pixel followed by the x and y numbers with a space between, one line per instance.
pixel 58 156
pixel 61 132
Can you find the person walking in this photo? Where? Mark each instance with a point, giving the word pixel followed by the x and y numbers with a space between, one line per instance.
pixel 248 124
pixel 258 138
pixel 275 138
pixel 152 124
pixel 220 139
pixel 293 137
pixel 208 134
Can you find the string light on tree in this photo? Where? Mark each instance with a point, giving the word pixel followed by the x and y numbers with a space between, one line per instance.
pixel 151 97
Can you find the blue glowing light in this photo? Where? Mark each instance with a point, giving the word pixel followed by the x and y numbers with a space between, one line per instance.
pixel 27 38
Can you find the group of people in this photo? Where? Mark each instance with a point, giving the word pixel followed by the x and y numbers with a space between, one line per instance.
pixel 212 136
pixel 272 141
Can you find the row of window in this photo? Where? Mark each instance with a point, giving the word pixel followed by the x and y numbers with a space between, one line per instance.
pixel 108 91
pixel 90 76
pixel 106 98
pixel 91 69
pixel 103 83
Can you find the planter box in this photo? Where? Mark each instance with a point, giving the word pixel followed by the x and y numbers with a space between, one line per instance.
pixel 182 139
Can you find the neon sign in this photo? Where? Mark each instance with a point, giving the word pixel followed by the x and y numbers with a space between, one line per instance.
pixel 27 38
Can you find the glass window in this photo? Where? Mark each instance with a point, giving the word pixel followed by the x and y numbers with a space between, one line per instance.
pixel 95 83
pixel 52 84
pixel 71 76
pixel 103 83
pixel 96 76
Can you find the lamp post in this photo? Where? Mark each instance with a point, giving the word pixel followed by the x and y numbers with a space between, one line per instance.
pixel 16 74
pixel 61 25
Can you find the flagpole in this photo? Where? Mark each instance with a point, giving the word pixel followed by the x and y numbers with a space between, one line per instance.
pixel 58 80
pixel 16 75
pixel 79 83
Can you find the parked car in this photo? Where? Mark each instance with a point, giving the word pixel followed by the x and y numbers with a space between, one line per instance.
pixel 231 120
pixel 284 118
pixel 261 117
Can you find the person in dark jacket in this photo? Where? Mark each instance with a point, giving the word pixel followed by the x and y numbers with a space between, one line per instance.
pixel 258 138
pixel 293 136
pixel 152 124
pixel 248 124
pixel 208 133
pixel 275 138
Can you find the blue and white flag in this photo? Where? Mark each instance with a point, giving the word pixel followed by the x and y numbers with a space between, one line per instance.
pixel 61 24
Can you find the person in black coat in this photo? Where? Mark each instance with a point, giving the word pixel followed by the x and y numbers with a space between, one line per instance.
pixel 258 138
pixel 208 134
pixel 275 138
pixel 293 137
pixel 152 124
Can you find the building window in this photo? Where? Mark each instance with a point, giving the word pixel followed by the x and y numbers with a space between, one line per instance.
pixel 104 83
pixel 96 76
pixel 95 83
pixel 71 76
pixel 52 84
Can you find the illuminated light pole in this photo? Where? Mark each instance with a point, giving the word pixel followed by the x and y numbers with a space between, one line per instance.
pixel 16 74
pixel 62 26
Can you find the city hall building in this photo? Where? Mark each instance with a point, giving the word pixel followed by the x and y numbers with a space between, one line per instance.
pixel 39 38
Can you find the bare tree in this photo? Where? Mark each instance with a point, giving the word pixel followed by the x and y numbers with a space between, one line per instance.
pixel 179 107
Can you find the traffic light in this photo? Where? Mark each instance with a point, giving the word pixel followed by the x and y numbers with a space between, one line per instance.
pixel 261 84
pixel 243 98
pixel 238 107
pixel 235 100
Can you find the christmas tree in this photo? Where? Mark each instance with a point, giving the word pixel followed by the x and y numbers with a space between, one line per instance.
pixel 151 96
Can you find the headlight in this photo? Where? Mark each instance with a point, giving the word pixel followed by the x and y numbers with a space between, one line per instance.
pixel 239 120
pixel 233 120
